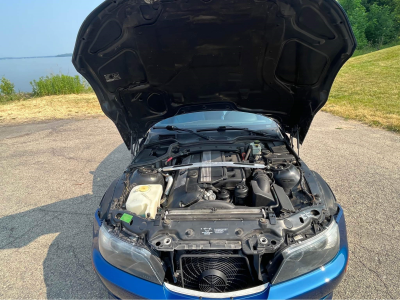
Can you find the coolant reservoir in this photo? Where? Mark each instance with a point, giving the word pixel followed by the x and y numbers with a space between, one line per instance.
pixel 145 199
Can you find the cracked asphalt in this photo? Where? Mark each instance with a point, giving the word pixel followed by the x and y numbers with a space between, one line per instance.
pixel 53 176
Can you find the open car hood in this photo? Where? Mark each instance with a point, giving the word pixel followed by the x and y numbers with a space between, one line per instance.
pixel 148 60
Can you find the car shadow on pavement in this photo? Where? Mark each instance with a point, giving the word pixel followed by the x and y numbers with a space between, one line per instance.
pixel 67 268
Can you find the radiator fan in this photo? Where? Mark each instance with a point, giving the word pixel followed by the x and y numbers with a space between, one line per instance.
pixel 215 273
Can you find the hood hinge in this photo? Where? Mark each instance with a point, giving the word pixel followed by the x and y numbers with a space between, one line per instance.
pixel 296 134
pixel 134 145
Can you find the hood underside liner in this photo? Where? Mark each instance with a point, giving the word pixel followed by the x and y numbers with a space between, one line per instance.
pixel 148 61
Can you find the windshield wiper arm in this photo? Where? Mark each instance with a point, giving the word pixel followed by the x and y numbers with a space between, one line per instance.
pixel 224 128
pixel 174 128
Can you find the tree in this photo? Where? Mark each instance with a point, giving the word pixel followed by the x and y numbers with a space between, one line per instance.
pixel 381 27
pixel 358 19
pixel 374 22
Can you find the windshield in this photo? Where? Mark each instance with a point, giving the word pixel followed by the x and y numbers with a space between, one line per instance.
pixel 211 119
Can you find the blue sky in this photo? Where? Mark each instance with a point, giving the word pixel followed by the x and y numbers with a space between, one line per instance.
pixel 41 27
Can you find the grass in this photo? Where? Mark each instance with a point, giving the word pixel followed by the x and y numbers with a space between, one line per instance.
pixel 14 97
pixel 373 48
pixel 52 97
pixel 50 108
pixel 367 89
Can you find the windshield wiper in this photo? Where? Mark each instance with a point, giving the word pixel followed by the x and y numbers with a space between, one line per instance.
pixel 225 128
pixel 174 128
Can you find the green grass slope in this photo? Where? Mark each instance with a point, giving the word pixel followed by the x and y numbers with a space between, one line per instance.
pixel 367 89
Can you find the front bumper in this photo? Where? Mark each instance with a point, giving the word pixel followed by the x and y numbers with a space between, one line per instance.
pixel 314 285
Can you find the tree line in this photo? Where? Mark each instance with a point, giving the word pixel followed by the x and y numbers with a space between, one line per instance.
pixel 374 22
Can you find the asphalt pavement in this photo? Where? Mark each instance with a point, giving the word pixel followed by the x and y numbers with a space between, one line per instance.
pixel 54 174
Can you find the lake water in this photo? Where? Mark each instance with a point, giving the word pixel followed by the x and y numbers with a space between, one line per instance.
pixel 22 71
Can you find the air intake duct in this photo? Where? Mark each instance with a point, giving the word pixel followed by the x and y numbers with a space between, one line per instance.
pixel 286 175
pixel 261 185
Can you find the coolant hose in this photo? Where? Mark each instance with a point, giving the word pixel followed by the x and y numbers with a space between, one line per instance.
pixel 170 181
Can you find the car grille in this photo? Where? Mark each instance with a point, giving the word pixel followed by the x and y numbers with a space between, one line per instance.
pixel 216 272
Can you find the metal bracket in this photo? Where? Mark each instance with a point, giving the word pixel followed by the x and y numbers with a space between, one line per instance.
pixel 171 257
pixel 272 218
pixel 257 266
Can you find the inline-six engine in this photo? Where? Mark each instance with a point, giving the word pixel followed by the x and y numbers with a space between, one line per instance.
pixel 238 182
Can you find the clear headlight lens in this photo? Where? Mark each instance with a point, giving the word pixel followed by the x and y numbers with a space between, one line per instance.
pixel 309 255
pixel 130 258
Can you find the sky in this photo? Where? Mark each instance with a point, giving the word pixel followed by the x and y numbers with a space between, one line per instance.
pixel 41 27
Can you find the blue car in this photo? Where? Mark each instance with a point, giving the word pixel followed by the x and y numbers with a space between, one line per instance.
pixel 214 98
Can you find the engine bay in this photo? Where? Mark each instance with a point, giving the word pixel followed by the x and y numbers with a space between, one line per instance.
pixel 238 186
pixel 219 212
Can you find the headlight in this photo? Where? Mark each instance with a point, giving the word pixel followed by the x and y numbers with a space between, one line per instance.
pixel 130 258
pixel 309 255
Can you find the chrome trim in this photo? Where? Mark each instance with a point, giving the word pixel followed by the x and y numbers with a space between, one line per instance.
pixel 241 293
